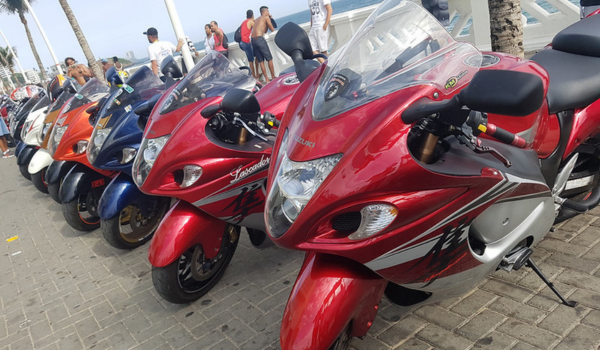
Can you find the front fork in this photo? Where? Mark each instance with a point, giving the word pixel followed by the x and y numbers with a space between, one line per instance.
pixel 330 293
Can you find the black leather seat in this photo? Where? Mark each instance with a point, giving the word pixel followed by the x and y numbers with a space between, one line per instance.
pixel 580 38
pixel 574 79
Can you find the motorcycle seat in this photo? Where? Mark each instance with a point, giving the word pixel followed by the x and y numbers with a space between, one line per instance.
pixel 580 38
pixel 574 79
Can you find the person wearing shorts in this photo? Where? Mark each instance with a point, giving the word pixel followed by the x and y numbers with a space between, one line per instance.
pixel 259 44
pixel 320 15
pixel 246 44
pixel 6 153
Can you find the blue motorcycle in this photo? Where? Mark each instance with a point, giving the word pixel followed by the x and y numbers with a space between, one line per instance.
pixel 128 217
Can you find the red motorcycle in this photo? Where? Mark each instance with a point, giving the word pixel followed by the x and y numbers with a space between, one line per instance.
pixel 414 166
pixel 215 162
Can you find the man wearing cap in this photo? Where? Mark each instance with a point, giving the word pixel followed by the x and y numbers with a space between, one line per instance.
pixel 159 50
pixel 105 65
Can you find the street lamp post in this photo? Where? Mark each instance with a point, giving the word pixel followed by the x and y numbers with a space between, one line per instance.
pixel 178 28
pixel 56 63
pixel 15 57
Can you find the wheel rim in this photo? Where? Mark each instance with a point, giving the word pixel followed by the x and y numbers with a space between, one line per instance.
pixel 87 208
pixel 135 227
pixel 195 271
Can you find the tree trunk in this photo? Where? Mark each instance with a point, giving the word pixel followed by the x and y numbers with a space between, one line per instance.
pixel 32 44
pixel 506 26
pixel 92 63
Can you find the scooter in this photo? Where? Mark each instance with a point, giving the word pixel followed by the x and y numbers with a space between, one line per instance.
pixel 128 217
pixel 211 153
pixel 69 139
pixel 414 166
pixel 42 159
pixel 21 127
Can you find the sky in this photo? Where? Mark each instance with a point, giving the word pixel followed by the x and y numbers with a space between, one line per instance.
pixel 113 27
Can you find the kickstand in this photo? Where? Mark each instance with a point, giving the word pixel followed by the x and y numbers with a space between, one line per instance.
pixel 538 272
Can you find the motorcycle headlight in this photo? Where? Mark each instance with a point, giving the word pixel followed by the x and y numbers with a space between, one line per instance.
pixel 55 137
pixel 293 187
pixel 128 155
pixel 149 151
pixel 98 138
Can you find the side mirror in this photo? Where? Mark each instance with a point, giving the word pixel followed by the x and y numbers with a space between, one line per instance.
pixel 292 38
pixel 170 68
pixel 146 108
pixel 240 101
pixel 504 92
pixel 210 111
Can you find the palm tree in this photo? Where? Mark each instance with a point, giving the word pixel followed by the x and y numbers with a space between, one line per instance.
pixel 506 26
pixel 8 60
pixel 92 63
pixel 18 7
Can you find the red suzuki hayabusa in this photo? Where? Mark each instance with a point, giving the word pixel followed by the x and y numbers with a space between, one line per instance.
pixel 412 165
pixel 212 153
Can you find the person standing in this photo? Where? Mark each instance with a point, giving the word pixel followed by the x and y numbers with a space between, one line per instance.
pixel 320 15
pixel 105 65
pixel 219 39
pixel 209 41
pixel 259 44
pixel 159 50
pixel 79 72
pixel 6 153
pixel 245 44
pixel 118 65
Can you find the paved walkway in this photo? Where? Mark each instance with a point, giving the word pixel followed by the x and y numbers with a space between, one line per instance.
pixel 62 289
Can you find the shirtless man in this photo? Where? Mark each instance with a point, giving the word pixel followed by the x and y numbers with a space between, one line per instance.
pixel 77 71
pixel 261 50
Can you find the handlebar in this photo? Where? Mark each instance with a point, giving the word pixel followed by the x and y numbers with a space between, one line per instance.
pixel 502 135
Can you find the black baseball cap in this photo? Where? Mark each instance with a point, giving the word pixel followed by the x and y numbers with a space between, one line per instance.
pixel 151 31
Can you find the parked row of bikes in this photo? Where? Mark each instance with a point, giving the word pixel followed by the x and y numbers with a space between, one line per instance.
pixel 409 165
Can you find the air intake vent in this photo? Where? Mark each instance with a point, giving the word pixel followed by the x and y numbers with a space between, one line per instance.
pixel 347 222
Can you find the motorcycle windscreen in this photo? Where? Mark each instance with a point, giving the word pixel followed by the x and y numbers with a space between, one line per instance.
pixel 92 91
pixel 399 45
pixel 213 76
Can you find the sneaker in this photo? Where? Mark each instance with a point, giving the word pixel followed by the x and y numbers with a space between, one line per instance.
pixel 8 154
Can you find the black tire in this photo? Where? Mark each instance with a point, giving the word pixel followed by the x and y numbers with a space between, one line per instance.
pixel 116 230
pixel 176 283
pixel 54 190
pixel 75 213
pixel 24 169
pixel 343 340
pixel 39 180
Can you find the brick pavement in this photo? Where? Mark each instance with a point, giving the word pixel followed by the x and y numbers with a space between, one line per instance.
pixel 62 289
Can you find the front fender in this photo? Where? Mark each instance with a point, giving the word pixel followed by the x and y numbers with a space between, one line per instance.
pixel 40 160
pixel 330 292
pixel 180 229
pixel 20 146
pixel 25 155
pixel 120 193
pixel 57 171
pixel 79 180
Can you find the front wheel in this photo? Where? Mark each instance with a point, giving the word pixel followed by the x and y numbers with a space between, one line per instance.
pixel 24 169
pixel 81 213
pixel 39 180
pixel 192 275
pixel 131 229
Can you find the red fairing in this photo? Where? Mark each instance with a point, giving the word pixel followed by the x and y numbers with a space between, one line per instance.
pixel 585 122
pixel 182 228
pixel 276 95
pixel 329 293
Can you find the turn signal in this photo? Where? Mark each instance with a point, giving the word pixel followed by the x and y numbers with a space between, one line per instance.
pixel 81 147
pixel 128 155
pixel 191 174
pixel 375 218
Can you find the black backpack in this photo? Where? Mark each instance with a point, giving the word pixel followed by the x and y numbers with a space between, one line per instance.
pixel 238 35
pixel 225 41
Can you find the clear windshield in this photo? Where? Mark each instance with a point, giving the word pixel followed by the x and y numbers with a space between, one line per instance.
pixel 61 100
pixel 92 91
pixel 43 102
pixel 212 76
pixel 142 85
pixel 399 45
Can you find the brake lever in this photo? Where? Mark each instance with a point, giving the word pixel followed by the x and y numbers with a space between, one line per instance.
pixel 475 145
pixel 236 118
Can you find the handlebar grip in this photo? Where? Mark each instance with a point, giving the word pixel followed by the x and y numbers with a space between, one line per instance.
pixel 504 136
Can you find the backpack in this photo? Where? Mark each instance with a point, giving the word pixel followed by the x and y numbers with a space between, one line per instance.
pixel 225 41
pixel 238 35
